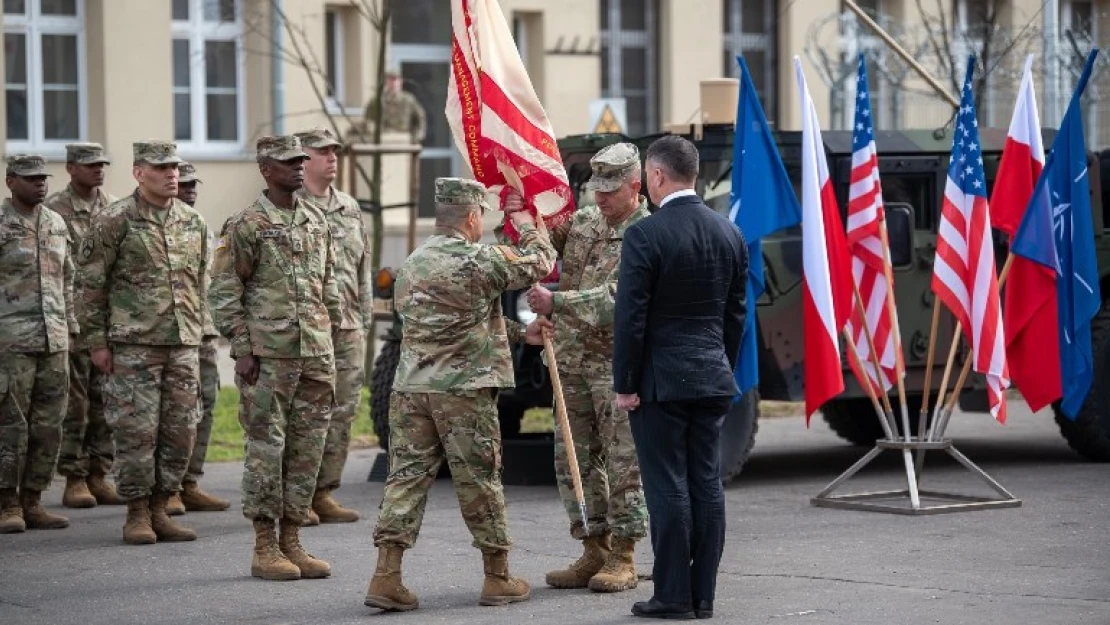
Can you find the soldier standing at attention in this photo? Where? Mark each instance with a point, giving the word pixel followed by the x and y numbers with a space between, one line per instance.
pixel 352 277
pixel 403 112
pixel 143 279
pixel 87 449
pixel 36 323
pixel 454 358
pixel 582 312
pixel 274 297
pixel 192 497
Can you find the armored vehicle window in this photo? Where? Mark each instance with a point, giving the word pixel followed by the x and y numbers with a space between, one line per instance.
pixel 916 190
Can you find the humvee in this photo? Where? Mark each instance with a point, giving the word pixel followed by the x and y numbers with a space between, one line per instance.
pixel 913 166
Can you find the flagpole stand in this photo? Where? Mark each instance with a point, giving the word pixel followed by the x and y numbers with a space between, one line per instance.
pixel 902 501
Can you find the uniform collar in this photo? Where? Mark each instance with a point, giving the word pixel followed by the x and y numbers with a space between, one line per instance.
pixel 146 210
pixel 636 215
pixel 82 205
pixel 275 214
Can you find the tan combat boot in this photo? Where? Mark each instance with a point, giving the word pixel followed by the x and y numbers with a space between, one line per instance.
pixel 174 505
pixel 328 510
pixel 164 527
pixel 500 588
pixel 311 519
pixel 387 591
pixel 104 491
pixel 269 562
pixel 196 500
pixel 137 529
pixel 595 552
pixel 289 542
pixel 77 493
pixel 35 516
pixel 11 513
pixel 619 572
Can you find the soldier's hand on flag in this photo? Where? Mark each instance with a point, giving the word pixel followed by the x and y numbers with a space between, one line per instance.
pixel 541 300
pixel 533 334
pixel 102 358
pixel 513 202
pixel 247 368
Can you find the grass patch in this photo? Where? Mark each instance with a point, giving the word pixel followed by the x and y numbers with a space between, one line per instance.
pixel 226 443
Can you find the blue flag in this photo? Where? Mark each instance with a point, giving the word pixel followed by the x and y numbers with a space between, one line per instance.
pixel 763 202
pixel 1062 201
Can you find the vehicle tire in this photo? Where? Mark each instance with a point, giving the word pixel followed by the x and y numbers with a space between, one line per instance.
pixel 1089 434
pixel 738 435
pixel 381 384
pixel 853 419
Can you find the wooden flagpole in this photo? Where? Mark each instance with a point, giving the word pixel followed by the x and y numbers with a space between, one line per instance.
pixel 890 428
pixel 883 417
pixel 564 428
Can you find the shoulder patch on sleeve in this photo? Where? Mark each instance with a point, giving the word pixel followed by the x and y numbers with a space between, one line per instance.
pixel 508 252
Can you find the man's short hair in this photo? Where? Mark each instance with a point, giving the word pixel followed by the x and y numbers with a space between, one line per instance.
pixel 677 156
pixel 454 214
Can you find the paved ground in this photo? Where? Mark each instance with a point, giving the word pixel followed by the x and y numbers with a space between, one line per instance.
pixel 786 562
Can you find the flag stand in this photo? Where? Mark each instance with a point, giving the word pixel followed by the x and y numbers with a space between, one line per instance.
pixel 908 501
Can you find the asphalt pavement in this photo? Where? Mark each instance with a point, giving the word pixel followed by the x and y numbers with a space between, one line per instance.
pixel 786 562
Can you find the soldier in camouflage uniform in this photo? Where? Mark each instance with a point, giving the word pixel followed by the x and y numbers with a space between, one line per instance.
pixel 87 448
pixel 454 358
pixel 352 276
pixel 143 279
pixel 36 323
pixel 582 312
pixel 274 297
pixel 192 497
pixel 403 112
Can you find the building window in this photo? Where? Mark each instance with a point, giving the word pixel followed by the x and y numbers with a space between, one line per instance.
pixel 333 50
pixel 207 74
pixel 629 70
pixel 44 73
pixel 749 31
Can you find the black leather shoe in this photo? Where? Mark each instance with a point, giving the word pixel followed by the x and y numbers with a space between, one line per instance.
pixel 658 609
pixel 703 609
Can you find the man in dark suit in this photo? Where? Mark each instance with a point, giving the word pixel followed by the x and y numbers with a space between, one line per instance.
pixel 679 319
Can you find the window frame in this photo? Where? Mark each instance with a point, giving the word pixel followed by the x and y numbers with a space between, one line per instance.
pixel 198 32
pixel 338 96
pixel 614 40
pixel 736 42
pixel 33 25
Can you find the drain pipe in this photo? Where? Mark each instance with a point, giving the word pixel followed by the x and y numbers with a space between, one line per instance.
pixel 277 70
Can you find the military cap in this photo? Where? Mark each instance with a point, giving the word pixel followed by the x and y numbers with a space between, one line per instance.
pixel 461 192
pixel 280 148
pixel 611 165
pixel 392 71
pixel 318 138
pixel 26 165
pixel 156 152
pixel 187 172
pixel 86 154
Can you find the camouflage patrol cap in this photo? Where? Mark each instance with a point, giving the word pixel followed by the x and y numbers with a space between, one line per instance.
pixel 187 172
pixel 280 147
pixel 156 152
pixel 611 165
pixel 318 138
pixel 461 192
pixel 86 154
pixel 26 165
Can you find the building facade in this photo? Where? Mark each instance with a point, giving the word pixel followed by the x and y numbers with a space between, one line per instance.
pixel 216 74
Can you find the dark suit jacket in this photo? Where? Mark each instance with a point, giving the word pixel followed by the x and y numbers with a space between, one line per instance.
pixel 681 302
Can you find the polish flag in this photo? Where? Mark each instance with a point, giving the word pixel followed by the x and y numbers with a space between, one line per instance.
pixel 1028 313
pixel 827 270
pixel 1022 159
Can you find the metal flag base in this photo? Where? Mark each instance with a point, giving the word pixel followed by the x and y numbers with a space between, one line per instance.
pixel 909 501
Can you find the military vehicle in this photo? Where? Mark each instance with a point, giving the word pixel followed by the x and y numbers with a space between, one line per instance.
pixel 913 167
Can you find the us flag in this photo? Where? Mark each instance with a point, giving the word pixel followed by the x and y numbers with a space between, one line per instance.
pixel 964 275
pixel 865 218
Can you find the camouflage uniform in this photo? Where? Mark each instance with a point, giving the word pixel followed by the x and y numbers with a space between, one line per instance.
pixel 454 357
pixel 36 314
pixel 274 296
pixel 352 277
pixel 87 447
pixel 403 113
pixel 208 365
pixel 143 275
pixel 583 316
